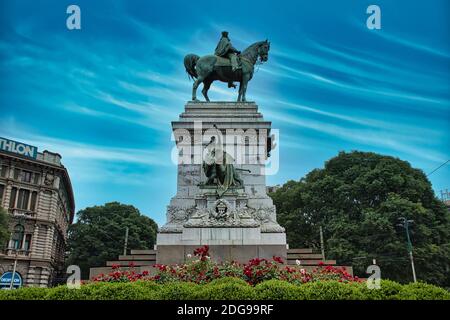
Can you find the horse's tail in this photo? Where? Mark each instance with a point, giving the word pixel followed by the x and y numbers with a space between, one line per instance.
pixel 190 61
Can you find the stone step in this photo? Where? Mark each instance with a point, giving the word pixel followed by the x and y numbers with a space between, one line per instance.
pixel 220 105
pixel 140 251
pixel 225 122
pixel 305 256
pixel 212 115
pixel 311 262
pixel 193 108
pixel 126 263
pixel 245 116
pixel 252 109
pixel 303 250
pixel 139 257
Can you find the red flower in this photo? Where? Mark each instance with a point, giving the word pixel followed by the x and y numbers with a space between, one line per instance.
pixel 202 252
pixel 278 259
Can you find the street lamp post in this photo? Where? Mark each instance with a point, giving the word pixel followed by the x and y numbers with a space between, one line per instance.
pixel 11 285
pixel 126 242
pixel 404 223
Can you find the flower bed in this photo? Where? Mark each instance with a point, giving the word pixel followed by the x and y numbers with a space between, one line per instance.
pixel 259 279
pixel 202 270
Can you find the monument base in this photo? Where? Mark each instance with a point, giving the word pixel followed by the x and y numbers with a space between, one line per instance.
pixel 226 244
pixel 221 198
pixel 177 254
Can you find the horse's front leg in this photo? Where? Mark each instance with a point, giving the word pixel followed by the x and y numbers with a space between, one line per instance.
pixel 206 85
pixel 244 83
pixel 240 92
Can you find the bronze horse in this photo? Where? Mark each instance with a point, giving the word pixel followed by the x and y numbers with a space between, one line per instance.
pixel 204 69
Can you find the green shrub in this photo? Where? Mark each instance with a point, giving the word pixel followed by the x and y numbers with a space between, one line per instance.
pixel 148 285
pixel 231 288
pixel 227 288
pixel 332 290
pixel 422 291
pixel 388 290
pixel 226 291
pixel 64 293
pixel 123 291
pixel 229 280
pixel 279 290
pixel 30 293
pixel 177 291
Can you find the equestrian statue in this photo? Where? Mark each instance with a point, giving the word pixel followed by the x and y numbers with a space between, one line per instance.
pixel 227 65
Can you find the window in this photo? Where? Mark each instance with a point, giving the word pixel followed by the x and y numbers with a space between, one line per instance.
pixel 36 178
pixel 2 190
pixel 22 201
pixel 27 244
pixel 33 201
pixel 16 174
pixel 4 171
pixel 26 176
pixel 17 237
pixel 12 199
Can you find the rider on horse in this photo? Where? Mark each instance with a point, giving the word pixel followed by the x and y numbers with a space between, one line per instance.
pixel 226 50
pixel 209 68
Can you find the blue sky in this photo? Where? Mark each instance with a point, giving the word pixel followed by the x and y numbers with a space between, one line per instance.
pixel 104 96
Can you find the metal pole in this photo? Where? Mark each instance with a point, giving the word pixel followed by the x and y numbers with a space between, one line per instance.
pixel 13 273
pixel 405 224
pixel 410 249
pixel 322 247
pixel 412 266
pixel 126 242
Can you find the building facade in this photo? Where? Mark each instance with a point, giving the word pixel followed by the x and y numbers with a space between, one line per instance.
pixel 36 191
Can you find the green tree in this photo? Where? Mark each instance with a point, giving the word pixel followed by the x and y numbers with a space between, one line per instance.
pixel 4 231
pixel 357 199
pixel 99 234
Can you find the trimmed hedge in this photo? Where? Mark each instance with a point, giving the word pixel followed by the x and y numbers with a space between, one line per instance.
pixel 232 289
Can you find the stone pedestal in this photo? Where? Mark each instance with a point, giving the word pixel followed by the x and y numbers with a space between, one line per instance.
pixel 237 222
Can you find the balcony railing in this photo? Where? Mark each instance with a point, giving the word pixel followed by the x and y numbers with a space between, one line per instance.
pixel 19 252
pixel 22 213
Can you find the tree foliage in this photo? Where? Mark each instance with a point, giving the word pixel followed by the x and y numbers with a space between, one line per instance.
pixel 4 232
pixel 99 234
pixel 357 199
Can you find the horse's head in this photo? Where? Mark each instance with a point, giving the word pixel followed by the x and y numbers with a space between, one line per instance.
pixel 263 51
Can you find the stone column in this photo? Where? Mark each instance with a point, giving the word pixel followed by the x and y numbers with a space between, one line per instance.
pixel 49 242
pixel 34 240
pixel 7 196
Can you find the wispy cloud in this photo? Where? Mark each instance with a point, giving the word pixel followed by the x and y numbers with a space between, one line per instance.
pixel 365 136
pixel 408 43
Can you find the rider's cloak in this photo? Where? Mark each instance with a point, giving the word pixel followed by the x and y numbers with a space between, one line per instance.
pixel 224 47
